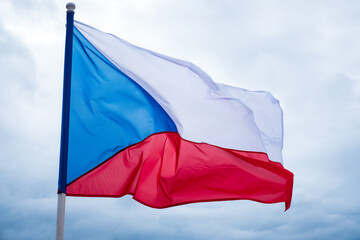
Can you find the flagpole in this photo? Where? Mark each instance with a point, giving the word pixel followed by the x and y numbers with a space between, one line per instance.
pixel 60 222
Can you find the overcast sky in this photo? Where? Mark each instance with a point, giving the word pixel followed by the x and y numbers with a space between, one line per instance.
pixel 306 53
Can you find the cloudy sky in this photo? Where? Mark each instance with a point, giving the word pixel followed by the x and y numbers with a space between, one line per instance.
pixel 307 53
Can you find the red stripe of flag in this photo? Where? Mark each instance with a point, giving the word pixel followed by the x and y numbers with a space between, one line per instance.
pixel 165 170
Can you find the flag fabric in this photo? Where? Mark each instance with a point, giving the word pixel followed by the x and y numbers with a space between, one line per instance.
pixel 162 130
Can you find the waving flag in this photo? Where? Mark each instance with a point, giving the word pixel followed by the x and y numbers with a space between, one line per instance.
pixel 162 130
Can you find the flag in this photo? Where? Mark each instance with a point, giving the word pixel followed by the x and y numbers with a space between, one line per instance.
pixel 162 130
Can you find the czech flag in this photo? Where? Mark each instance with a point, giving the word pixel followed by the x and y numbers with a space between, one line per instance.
pixel 162 130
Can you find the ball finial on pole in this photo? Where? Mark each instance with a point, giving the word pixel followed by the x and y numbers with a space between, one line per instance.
pixel 70 6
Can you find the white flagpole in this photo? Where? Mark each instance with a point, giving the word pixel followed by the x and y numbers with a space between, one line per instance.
pixel 60 222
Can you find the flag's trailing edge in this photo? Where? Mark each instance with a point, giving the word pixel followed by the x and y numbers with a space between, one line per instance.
pixel 160 129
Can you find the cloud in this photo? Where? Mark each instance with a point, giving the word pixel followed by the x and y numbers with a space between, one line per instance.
pixel 26 154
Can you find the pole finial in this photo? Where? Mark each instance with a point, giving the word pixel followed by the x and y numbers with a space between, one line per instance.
pixel 70 6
